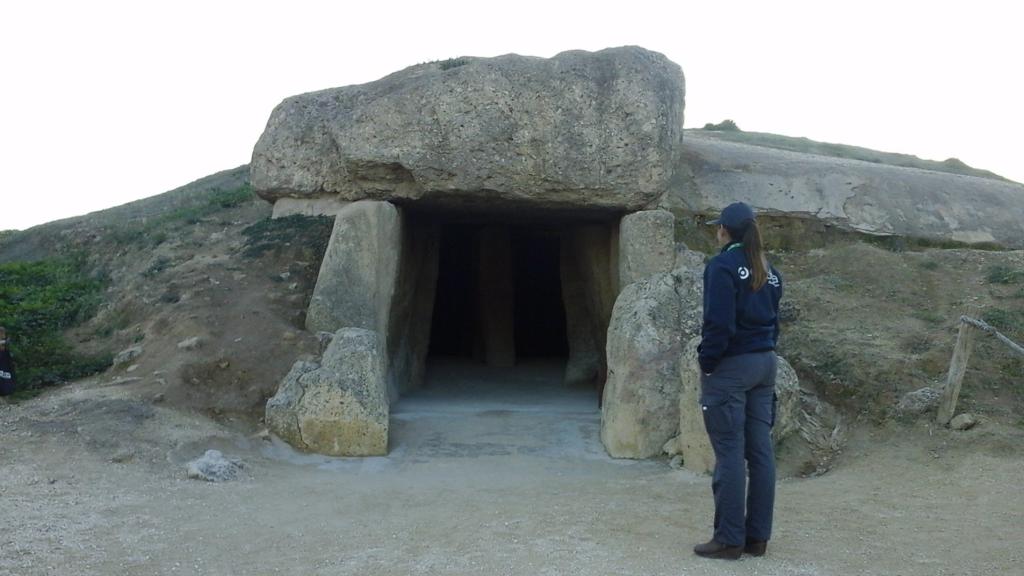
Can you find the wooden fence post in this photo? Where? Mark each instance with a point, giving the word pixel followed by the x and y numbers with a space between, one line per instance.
pixel 957 369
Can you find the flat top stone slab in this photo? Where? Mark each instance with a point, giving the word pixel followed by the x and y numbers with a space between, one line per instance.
pixel 596 129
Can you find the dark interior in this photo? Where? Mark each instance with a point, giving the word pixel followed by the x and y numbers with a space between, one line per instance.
pixel 539 322
pixel 540 329
pixel 455 325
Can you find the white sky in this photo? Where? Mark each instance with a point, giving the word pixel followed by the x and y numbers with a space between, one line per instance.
pixel 106 102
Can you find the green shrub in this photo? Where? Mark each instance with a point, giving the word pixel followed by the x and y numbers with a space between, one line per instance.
pixel 723 126
pixel 452 63
pixel 1009 322
pixel 38 300
pixel 1003 274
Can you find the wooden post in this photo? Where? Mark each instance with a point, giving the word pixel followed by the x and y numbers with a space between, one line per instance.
pixel 957 369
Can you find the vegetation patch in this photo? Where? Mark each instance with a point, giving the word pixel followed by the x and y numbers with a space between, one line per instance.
pixel 149 232
pixel 272 234
pixel 1002 274
pixel 38 301
pixel 723 126
pixel 452 63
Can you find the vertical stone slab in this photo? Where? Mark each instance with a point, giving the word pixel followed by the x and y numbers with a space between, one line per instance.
pixel 640 411
pixel 359 271
pixel 585 358
pixel 646 245
pixel 497 293
pixel 413 307
pixel 593 248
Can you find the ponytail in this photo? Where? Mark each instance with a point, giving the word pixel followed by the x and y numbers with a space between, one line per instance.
pixel 750 236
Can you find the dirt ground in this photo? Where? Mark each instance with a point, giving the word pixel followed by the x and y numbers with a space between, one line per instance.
pixel 478 482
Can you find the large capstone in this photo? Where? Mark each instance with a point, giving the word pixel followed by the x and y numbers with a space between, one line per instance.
pixel 338 407
pixel 582 129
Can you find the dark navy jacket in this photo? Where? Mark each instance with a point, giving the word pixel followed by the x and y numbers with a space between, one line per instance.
pixel 737 320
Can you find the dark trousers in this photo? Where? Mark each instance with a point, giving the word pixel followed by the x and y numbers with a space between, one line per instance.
pixel 738 402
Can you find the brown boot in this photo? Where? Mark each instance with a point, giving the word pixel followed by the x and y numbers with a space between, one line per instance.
pixel 715 549
pixel 756 547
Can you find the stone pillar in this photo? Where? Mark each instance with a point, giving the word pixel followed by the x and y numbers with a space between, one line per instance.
pixel 413 307
pixel 585 357
pixel 593 248
pixel 359 270
pixel 497 293
pixel 646 245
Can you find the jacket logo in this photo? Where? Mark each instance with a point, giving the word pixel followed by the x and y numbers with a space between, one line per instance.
pixel 773 280
pixel 744 272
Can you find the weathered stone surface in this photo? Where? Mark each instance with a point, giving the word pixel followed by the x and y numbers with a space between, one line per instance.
pixel 329 206
pixel 597 129
pixel 690 282
pixel 692 442
pixel 192 343
pixel 359 270
pixel 963 421
pixel 127 355
pixel 646 245
pixel 413 308
pixel 857 195
pixel 338 407
pixel 497 296
pixel 214 467
pixel 585 359
pixel 688 259
pixel 640 411
pixel 918 402
pixel 594 249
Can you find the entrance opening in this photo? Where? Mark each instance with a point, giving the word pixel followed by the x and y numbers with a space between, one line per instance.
pixel 501 330
pixel 512 306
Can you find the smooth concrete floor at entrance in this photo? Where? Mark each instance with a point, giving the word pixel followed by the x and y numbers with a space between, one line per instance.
pixel 470 410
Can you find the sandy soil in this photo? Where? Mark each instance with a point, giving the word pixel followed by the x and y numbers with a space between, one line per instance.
pixel 479 481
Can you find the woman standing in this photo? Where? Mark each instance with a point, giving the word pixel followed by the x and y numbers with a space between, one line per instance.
pixel 738 362
pixel 6 366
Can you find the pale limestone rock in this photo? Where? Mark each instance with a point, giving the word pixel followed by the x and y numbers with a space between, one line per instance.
pixel 646 245
pixel 338 407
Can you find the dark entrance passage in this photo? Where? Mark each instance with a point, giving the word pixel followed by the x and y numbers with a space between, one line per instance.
pixel 499 295
pixel 455 326
pixel 540 327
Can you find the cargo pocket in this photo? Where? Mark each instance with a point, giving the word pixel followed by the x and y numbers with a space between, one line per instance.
pixel 717 416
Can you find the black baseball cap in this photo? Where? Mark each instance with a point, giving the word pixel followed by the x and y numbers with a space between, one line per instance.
pixel 735 215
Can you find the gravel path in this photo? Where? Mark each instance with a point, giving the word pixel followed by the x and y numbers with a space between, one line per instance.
pixel 480 482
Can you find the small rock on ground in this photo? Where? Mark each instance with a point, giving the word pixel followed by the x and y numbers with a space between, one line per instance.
pixel 918 402
pixel 214 467
pixel 963 421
